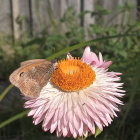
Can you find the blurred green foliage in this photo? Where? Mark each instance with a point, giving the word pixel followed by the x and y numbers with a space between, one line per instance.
pixel 123 51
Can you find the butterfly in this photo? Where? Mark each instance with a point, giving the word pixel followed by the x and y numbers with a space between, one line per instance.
pixel 32 76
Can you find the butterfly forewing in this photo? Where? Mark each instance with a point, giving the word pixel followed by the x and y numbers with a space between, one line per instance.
pixel 32 76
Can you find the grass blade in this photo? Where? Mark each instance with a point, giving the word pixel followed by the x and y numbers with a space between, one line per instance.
pixel 86 43
pixel 18 116
pixel 3 94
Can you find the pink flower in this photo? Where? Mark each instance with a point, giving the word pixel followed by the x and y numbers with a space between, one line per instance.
pixel 80 96
pixel 92 59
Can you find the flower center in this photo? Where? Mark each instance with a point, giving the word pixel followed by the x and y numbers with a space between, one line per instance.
pixel 73 75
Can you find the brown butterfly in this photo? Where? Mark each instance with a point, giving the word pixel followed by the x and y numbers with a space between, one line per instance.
pixel 31 76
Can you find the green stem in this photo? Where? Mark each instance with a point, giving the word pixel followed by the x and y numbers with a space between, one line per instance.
pixel 18 116
pixel 3 94
pixel 86 43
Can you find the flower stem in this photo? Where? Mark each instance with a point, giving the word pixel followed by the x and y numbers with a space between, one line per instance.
pixel 86 43
pixel 17 116
pixel 3 94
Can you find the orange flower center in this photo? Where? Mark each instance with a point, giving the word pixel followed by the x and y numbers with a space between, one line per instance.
pixel 73 75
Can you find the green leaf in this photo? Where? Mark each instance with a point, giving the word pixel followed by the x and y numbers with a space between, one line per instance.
pixel 97 132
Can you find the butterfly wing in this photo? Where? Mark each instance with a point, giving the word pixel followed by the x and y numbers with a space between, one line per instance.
pixel 32 76
pixel 32 61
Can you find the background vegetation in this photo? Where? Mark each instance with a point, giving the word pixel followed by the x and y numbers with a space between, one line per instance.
pixel 118 42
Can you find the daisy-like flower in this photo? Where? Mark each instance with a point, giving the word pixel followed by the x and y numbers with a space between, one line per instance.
pixel 80 96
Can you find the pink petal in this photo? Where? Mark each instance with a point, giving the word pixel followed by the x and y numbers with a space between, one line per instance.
pixel 106 64
pixel 100 58
pixel 69 56
pixel 87 55
pixel 92 59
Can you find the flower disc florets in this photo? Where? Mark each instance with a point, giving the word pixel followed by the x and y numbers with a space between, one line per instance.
pixel 73 75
